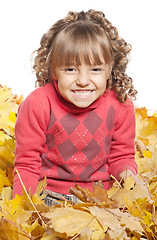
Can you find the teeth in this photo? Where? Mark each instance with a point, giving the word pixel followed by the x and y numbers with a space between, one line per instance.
pixel 82 93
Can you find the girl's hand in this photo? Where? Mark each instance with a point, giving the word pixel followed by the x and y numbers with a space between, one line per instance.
pixel 141 185
pixel 125 174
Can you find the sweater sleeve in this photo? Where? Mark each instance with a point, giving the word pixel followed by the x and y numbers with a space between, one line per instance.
pixel 122 152
pixel 30 138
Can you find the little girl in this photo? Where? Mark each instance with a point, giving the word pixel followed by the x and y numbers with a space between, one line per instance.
pixel 79 125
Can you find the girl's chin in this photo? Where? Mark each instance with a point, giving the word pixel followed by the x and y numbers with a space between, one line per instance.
pixel 82 100
pixel 82 104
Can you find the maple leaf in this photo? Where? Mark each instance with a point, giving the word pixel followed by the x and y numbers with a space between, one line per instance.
pixel 146 127
pixel 41 186
pixel 116 219
pixel 6 193
pixel 8 108
pixel 148 165
pixel 7 154
pixel 10 231
pixel 129 191
pixel 3 180
pixel 67 222
pixel 98 195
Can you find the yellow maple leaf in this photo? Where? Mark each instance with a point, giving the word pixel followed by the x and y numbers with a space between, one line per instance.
pixel 116 219
pixel 30 227
pixel 7 125
pixel 3 180
pixel 147 154
pixel 50 234
pixel 41 186
pixel 11 231
pixel 12 117
pixel 68 222
pixel 3 137
pixel 147 218
pixel 106 218
pixel 8 109
pixel 6 193
pixel 5 93
pixel 146 126
pixel 148 166
pixel 122 195
pixel 98 195
pixel 7 96
pixel 129 183
pixel 7 156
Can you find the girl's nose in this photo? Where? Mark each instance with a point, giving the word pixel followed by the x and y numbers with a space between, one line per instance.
pixel 83 79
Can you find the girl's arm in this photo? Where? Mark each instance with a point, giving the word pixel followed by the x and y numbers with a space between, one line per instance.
pixel 122 153
pixel 30 138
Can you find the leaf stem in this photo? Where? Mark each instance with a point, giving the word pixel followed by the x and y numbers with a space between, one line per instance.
pixel 30 198
pixel 82 229
pixel 3 219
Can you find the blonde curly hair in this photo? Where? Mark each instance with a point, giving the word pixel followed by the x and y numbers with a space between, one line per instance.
pixel 83 35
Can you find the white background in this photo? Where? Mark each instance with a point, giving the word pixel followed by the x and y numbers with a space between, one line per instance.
pixel 23 22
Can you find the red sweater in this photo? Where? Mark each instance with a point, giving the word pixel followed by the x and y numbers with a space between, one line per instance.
pixel 68 144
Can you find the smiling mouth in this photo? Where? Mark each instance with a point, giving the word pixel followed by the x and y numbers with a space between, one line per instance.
pixel 83 92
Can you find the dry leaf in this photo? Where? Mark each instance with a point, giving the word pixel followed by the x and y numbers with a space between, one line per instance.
pixel 41 186
pixel 67 222
pixel 10 231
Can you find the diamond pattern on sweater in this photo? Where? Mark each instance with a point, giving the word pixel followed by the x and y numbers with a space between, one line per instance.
pixel 52 119
pixel 47 163
pixel 50 141
pixel 91 150
pixel 58 132
pixel 86 173
pixel 110 118
pixel 81 137
pixel 67 149
pixel 64 172
pixel 71 137
pixel 69 123
pixel 107 143
pixel 92 122
pixel 102 169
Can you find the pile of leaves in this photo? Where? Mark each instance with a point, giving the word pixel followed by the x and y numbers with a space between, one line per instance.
pixel 127 211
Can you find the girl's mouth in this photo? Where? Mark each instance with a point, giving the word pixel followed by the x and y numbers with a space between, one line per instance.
pixel 83 93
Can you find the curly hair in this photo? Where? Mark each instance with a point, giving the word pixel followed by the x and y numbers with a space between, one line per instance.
pixel 82 34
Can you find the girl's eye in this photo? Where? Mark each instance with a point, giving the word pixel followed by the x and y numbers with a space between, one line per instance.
pixel 96 70
pixel 69 70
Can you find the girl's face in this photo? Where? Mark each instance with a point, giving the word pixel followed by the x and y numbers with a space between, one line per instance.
pixel 82 85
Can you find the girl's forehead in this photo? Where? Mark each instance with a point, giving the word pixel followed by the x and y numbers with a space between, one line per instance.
pixel 92 49
pixel 87 58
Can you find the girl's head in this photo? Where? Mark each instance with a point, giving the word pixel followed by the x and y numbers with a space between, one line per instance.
pixel 80 41
pixel 89 38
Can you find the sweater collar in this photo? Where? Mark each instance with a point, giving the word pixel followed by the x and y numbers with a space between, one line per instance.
pixel 68 106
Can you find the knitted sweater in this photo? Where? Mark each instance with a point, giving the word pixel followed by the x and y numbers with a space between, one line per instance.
pixel 71 145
